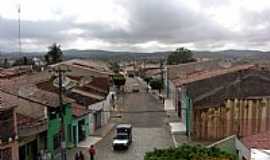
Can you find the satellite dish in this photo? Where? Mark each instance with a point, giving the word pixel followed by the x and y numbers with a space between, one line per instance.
pixel 26 91
pixel 66 82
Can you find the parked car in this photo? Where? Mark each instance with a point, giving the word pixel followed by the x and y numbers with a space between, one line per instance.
pixel 136 87
pixel 123 137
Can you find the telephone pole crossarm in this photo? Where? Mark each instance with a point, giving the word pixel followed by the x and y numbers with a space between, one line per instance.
pixel 60 73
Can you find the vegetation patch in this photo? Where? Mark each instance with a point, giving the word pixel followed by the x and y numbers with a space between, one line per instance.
pixel 188 152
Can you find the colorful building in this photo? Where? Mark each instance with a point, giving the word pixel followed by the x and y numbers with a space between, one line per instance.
pixel 80 124
pixel 8 134
pixel 214 103
pixel 55 129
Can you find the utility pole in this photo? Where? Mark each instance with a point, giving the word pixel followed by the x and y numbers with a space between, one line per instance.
pixel 19 30
pixel 161 71
pixel 60 73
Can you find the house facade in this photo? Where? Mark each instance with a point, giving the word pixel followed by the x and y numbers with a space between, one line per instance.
pixel 214 104
pixel 231 103
pixel 8 134
pixel 38 122
pixel 56 127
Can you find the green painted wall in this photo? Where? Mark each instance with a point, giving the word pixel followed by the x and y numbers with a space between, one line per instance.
pixel 186 105
pixel 54 126
pixel 75 123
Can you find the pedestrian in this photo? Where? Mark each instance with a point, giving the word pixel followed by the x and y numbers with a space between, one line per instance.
pixel 81 156
pixel 77 156
pixel 92 152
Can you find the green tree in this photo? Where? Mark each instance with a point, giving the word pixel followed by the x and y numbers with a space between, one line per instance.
pixel 188 152
pixel 23 61
pixel 115 67
pixel 147 79
pixel 54 55
pixel 119 80
pixel 6 64
pixel 180 55
pixel 156 84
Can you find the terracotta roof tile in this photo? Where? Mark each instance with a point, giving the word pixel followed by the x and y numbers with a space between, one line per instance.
pixel 259 141
pixel 23 119
pixel 197 76
pixel 101 83
pixel 81 99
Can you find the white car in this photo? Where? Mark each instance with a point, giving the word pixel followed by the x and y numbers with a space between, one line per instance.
pixel 136 87
pixel 121 141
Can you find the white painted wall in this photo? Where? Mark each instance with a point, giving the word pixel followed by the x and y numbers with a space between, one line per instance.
pixel 243 150
pixel 105 106
pixel 91 123
pixel 260 154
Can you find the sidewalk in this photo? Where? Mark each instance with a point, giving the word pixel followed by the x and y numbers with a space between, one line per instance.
pixel 104 130
pixel 91 140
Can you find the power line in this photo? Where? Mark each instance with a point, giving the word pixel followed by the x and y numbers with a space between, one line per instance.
pixel 60 73
pixel 19 29
pixel 129 112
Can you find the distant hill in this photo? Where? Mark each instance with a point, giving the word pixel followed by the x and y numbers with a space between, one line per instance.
pixel 114 55
pixel 122 55
pixel 105 55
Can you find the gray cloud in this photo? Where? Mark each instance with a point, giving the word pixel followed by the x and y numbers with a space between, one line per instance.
pixel 162 21
pixel 166 22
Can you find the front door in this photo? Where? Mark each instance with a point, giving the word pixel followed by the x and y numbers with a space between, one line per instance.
pixel 81 130
pixel 97 116
pixel 74 134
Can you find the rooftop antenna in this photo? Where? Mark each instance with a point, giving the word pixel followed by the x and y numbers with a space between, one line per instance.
pixel 19 30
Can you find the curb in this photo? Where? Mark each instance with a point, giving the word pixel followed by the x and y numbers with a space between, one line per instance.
pixel 174 141
pixel 109 131
pixel 102 136
pixel 105 133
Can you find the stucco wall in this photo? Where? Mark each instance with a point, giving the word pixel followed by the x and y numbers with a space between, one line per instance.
pixel 237 116
pixel 106 107
pixel 54 126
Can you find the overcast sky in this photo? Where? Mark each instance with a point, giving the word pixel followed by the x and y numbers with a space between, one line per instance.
pixel 136 25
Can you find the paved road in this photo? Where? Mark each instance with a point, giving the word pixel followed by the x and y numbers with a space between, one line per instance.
pixel 149 132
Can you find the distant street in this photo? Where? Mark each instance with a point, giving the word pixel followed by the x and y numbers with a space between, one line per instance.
pixel 149 132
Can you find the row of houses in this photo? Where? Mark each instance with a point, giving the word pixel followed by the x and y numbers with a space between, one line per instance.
pixel 30 105
pixel 217 99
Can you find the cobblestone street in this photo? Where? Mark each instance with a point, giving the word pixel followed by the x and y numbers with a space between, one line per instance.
pixel 149 128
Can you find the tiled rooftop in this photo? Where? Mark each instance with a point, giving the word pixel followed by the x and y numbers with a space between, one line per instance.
pixel 14 72
pixel 79 98
pixel 102 83
pixel 23 119
pixel 197 76
pixel 258 141
pixel 95 66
